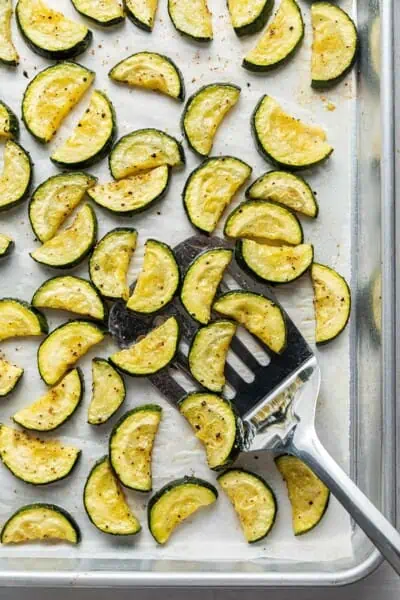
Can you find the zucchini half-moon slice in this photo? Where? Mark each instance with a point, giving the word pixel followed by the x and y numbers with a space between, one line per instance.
pixel 6 245
pixel 158 280
pixel 332 301
pixel 275 264
pixel 192 19
pixel 175 502
pixel 105 13
pixel 257 314
pixel 19 319
pixel 207 354
pixel 40 522
pixel 16 177
pixel 142 13
pixel 64 346
pixel 9 126
pixel 131 446
pixel 56 406
pixel 204 112
pixel 249 16
pixel 66 82
pixel 211 187
pixel 152 353
pixel 34 460
pixel 8 54
pixel 108 392
pixel 285 140
pixel 105 502
pixel 10 375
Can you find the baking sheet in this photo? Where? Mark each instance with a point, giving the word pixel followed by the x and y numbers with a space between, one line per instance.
pixel 214 533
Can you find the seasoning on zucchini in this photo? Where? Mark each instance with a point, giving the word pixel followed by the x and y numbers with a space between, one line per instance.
pixel 152 353
pixel 9 126
pixel 285 188
pixel 109 263
pixel 70 246
pixel 108 392
pixel 264 221
pixel 6 245
pixel 64 346
pixel 335 44
pixel 151 71
pixel 66 81
pixel 211 187
pixel 215 424
pixel 142 150
pixel 158 280
pixel 257 314
pixel 308 496
pixel 253 500
pixel 105 13
pixel 275 264
pixel 8 54
pixel 175 502
pixel 285 140
pixel 34 460
pixel 19 319
pixel 55 407
pixel 249 16
pixel 133 194
pixel 10 375
pixel 204 112
pixel 105 502
pixel 141 12
pixel 332 302
pixel 279 41
pixel 40 522
pixel 192 19
pixel 207 354
pixel 16 177
pixel 131 446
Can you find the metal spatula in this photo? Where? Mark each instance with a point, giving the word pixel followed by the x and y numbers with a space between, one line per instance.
pixel 277 407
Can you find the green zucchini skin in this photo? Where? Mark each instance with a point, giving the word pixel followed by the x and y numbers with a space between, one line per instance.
pixel 134 19
pixel 24 196
pixel 105 24
pixel 201 39
pixel 44 326
pixel 13 121
pixel 347 287
pixel 98 361
pixel 258 23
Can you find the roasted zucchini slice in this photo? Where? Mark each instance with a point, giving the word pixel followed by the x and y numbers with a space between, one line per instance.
pixel 142 150
pixel 249 16
pixel 141 12
pixel 133 194
pixel 10 375
pixel 8 54
pixel 108 392
pixel 158 280
pixel 285 140
pixel 131 446
pixel 335 44
pixel 105 502
pixel 55 407
pixel 308 496
pixel 192 19
pixel 92 138
pixel 64 346
pixel 201 282
pixel 332 301
pixel 287 189
pixel 204 112
pixel 257 314
pixel 109 263
pixel 105 12
pixel 16 178
pixel 215 424
pixel 70 246
pixel 175 502
pixel 51 95
pixel 275 264
pixel 211 187
pixel 151 71
pixel 19 319
pixel 34 460
pixel 6 245
pixel 253 500
pixel 264 221
pixel 40 522
pixel 279 41
pixel 9 126
pixel 207 354
pixel 152 353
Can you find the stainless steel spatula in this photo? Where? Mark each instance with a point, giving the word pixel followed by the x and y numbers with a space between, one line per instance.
pixel 277 407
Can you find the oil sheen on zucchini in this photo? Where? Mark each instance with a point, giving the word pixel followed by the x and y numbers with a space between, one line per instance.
pixel 10 375
pixel 175 502
pixel 215 424
pixel 257 314
pixel 279 41
pixel 275 264
pixel 34 460
pixel 204 112
pixel 40 522
pixel 8 54
pixel 64 346
pixel 16 177
pixel 105 12
pixel 287 141
pixel 158 280
pixel 131 446
pixel 141 12
pixel 249 16
pixel 308 496
pixel 9 126
pixel 332 301
pixel 211 187
pixel 19 319
pixel 6 245
pixel 55 407
pixel 105 502
pixel 108 392
pixel 192 19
